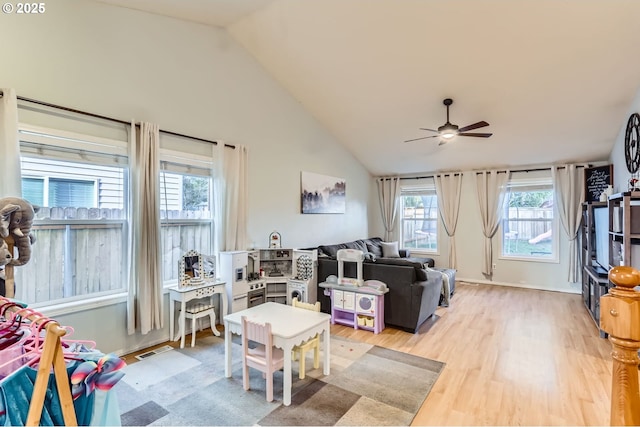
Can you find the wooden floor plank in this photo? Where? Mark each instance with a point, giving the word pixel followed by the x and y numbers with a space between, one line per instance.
pixel 513 357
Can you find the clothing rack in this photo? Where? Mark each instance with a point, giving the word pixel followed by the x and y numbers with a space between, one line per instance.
pixel 52 356
pixel 9 281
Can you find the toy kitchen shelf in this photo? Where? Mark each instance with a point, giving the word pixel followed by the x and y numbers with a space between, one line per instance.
pixel 360 307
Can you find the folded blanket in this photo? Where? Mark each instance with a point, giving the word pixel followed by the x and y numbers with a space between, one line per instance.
pixel 445 292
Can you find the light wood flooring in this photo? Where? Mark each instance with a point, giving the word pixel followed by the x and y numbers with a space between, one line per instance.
pixel 513 357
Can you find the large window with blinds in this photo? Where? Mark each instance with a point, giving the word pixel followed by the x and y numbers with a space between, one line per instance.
pixel 80 184
pixel 419 218
pixel 529 227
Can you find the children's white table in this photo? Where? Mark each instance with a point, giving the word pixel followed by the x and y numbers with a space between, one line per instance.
pixel 290 326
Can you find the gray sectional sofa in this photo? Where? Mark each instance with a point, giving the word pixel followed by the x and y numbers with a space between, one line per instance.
pixel 414 293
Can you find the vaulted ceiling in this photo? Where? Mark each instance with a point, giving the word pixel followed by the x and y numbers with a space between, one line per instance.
pixel 554 79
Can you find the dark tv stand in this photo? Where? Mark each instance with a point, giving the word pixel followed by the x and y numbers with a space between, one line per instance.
pixel 600 271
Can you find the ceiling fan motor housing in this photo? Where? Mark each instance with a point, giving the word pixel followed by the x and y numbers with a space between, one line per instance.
pixel 448 127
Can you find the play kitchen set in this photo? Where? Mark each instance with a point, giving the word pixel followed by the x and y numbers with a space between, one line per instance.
pixel 355 302
pixel 268 275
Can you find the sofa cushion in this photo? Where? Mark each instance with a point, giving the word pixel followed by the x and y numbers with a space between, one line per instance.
pixel 375 249
pixel 390 249
pixel 332 250
pixel 417 263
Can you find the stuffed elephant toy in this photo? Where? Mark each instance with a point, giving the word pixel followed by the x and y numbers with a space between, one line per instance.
pixel 16 219
pixel 5 255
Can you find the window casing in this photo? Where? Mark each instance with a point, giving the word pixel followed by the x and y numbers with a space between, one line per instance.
pixel 81 227
pixel 186 209
pixel 529 226
pixel 419 219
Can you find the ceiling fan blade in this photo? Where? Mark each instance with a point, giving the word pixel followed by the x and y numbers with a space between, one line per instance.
pixel 424 137
pixel 474 126
pixel 430 130
pixel 478 135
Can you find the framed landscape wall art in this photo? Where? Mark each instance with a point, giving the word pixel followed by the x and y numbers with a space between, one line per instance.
pixel 322 194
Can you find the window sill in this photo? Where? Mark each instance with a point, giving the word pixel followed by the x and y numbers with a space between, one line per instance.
pixel 77 306
pixel 422 252
pixel 554 260
pixel 68 307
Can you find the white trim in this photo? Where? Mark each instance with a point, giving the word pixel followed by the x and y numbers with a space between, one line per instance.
pixel 71 140
pixel 521 285
pixel 70 307
pixel 76 306
pixel 555 229
pixel 188 159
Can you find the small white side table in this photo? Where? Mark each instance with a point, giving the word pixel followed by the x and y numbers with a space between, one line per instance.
pixel 188 293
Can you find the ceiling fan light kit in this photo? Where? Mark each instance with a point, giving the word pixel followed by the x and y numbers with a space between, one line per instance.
pixel 448 131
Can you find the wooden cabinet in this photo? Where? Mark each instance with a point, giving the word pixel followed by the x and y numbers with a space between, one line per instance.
pixel 623 234
pixel 593 287
pixel 594 278
pixel 624 229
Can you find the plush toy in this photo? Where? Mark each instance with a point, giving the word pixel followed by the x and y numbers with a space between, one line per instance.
pixel 16 219
pixel 5 255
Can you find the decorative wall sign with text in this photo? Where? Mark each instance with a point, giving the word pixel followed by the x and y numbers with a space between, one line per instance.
pixel 596 180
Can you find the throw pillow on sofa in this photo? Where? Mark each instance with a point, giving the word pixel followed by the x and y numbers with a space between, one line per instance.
pixel 390 249
pixel 374 248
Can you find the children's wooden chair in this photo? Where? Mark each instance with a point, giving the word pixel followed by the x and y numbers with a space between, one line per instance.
pixel 313 343
pixel 265 357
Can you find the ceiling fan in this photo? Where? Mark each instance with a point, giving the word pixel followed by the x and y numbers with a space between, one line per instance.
pixel 447 131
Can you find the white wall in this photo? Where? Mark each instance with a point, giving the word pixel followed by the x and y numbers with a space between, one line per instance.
pixel 620 173
pixel 191 79
pixel 470 245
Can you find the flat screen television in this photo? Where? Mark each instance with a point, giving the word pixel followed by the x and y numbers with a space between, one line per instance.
pixel 601 224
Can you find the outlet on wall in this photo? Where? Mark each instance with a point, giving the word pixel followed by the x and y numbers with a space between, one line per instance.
pixel 494 265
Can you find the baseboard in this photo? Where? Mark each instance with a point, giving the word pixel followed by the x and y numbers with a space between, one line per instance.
pixel 205 325
pixel 518 285
pixel 122 352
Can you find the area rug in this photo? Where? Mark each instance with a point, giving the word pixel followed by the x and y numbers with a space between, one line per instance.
pixel 368 385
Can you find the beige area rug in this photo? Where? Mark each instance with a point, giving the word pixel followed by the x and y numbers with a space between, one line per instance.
pixel 368 385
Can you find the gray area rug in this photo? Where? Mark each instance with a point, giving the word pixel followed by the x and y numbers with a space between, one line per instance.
pixel 368 385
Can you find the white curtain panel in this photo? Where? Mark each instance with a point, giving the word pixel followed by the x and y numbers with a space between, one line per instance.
pixel 10 177
pixel 448 187
pixel 144 308
pixel 491 187
pixel 231 196
pixel 568 183
pixel 388 192
pixel 219 196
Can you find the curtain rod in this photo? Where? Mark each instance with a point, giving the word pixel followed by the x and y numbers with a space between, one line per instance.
pixel 431 176
pixel 535 169
pixel 423 177
pixel 479 172
pixel 98 116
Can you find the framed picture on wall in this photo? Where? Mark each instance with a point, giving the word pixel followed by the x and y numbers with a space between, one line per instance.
pixel 322 194
pixel 596 180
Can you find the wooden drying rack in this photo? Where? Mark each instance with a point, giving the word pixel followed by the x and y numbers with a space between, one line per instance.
pixel 52 356
pixel 9 282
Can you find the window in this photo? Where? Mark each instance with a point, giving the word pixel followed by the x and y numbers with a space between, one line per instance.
pixel 528 227
pixel 60 192
pixel 186 192
pixel 80 184
pixel 419 221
